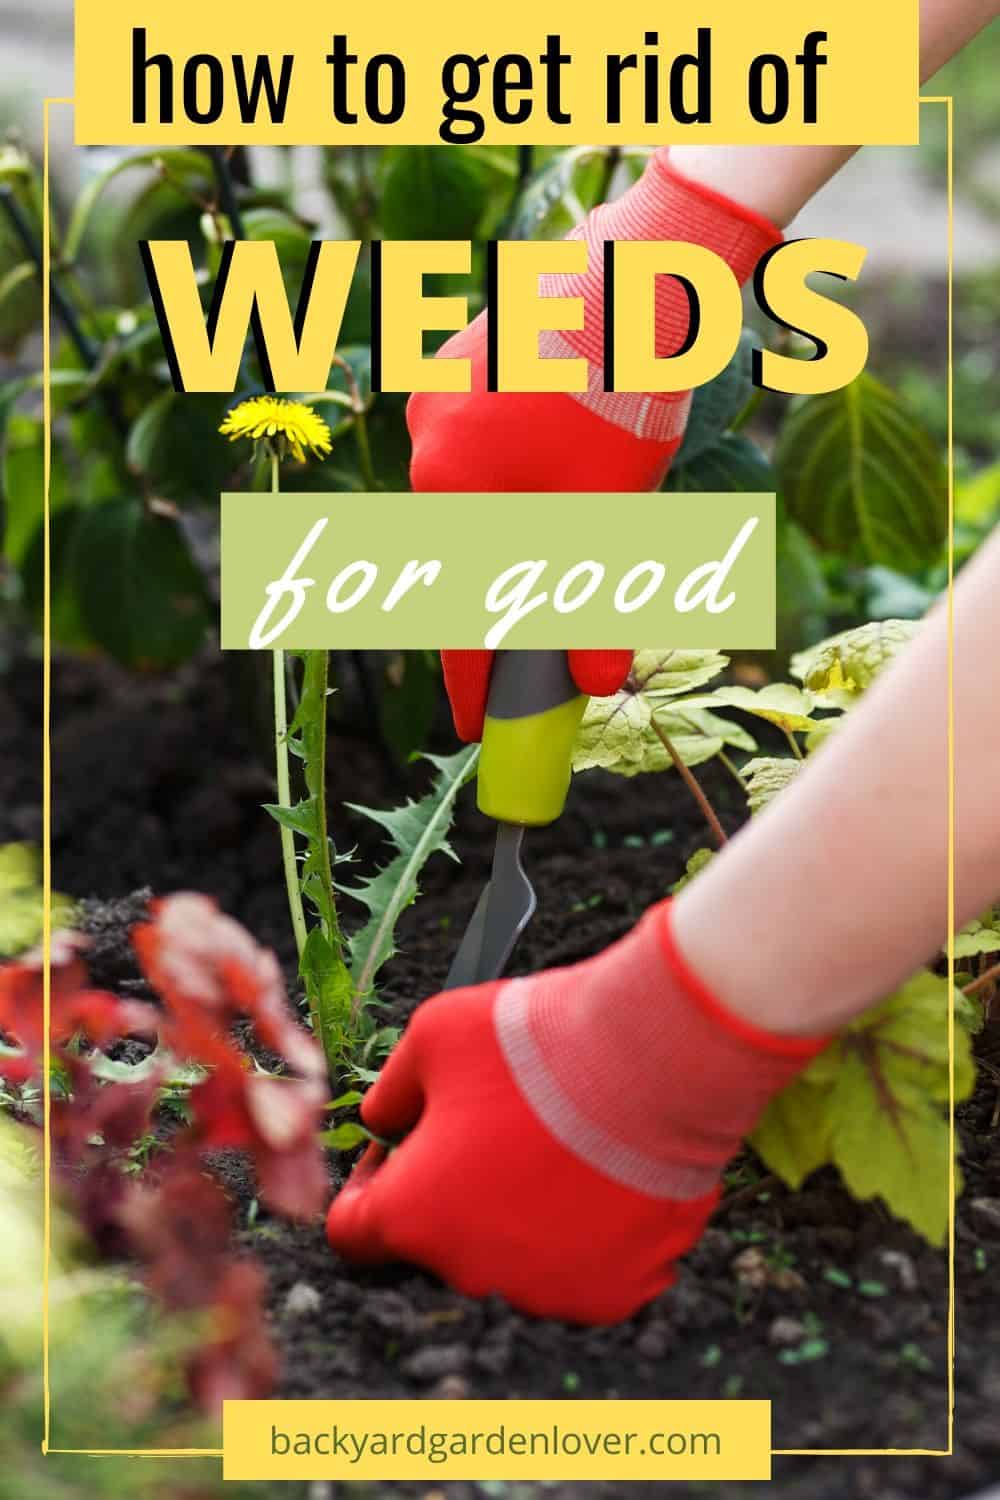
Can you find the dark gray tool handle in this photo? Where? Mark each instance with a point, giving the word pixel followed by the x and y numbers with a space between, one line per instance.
pixel 529 682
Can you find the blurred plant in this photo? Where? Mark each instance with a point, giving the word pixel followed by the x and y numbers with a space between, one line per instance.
pixel 21 900
pixel 209 975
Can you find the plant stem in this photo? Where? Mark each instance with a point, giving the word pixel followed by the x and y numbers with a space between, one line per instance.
pixel 611 161
pixel 796 747
pixel 89 352
pixel 748 1193
pixel 708 811
pixel 984 980
pixel 744 415
pixel 227 191
pixel 360 424
pixel 732 769
pixel 284 778
pixel 318 671
pixel 364 449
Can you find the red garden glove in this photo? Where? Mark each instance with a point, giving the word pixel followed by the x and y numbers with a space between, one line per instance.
pixel 566 1131
pixel 596 440
pixel 509 441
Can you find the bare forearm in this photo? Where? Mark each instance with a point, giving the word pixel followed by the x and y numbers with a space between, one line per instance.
pixel 777 181
pixel 838 892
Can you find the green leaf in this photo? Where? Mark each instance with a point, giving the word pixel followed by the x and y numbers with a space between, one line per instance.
pixel 331 996
pixel 302 818
pixel 862 476
pixel 431 193
pixel 21 303
pixel 732 464
pixel 670 672
pixel 69 629
pixel 841 667
pixel 977 499
pixel 780 703
pixel 408 701
pixel 893 596
pixel 617 733
pixel 793 1135
pixel 23 483
pixel 873 1104
pixel 182 163
pixel 417 830
pixel 717 404
pixel 978 937
pixel 694 866
pixel 344 1137
pixel 21 900
pixel 176 446
pixel 805 600
pixel 139 592
pixel 767 776
pixel 346 1101
pixel 559 194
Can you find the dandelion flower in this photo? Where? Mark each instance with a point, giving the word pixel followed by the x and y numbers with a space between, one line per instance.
pixel 287 425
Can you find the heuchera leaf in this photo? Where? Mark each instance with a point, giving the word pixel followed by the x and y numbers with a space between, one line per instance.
pixel 874 1104
pixel 978 937
pixel 841 667
pixel 780 703
pixel 417 830
pixel 617 732
pixel 694 866
pixel 767 776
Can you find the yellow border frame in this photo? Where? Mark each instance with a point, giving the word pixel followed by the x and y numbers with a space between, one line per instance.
pixel 948 101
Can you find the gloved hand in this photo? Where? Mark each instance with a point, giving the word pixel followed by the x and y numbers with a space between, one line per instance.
pixel 482 440
pixel 467 680
pixel 595 440
pixel 566 1131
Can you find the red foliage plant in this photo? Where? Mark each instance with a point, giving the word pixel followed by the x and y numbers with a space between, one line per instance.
pixel 209 974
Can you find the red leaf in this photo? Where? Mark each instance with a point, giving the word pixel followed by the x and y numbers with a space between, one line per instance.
pixel 239 1361
pixel 209 972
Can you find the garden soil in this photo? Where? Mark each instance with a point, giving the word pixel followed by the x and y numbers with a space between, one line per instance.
pixel 830 1309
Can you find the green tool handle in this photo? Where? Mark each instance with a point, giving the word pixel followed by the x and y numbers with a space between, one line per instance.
pixel 532 717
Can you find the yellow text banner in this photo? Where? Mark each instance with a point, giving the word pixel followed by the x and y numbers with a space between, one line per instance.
pixel 498 1440
pixel 789 71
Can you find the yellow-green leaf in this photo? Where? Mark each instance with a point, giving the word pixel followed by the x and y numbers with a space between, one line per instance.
pixel 694 866
pixel 661 670
pixel 841 667
pixel 618 734
pixel 780 703
pixel 874 1104
pixel 767 776
pixel 21 900
pixel 977 938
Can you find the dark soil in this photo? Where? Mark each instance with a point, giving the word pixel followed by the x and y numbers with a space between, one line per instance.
pixel 157 785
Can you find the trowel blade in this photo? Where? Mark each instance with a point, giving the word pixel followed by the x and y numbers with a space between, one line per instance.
pixel 502 912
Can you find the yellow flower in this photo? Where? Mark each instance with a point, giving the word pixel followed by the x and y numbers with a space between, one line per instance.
pixel 285 424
